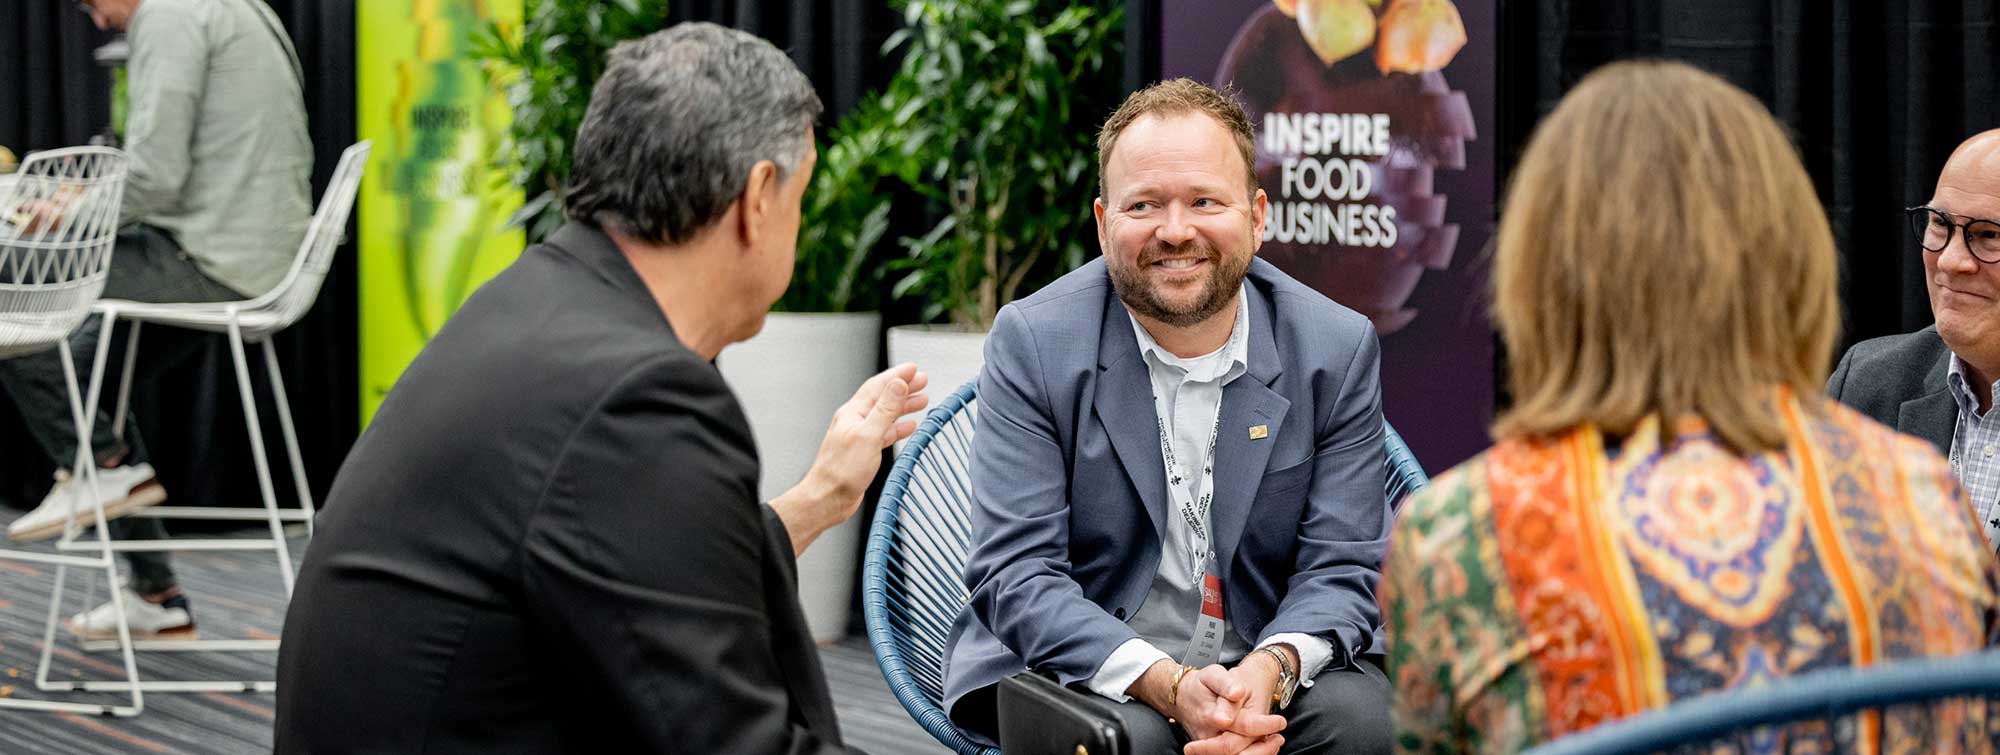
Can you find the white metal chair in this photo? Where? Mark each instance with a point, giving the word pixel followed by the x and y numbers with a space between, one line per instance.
pixel 252 321
pixel 51 272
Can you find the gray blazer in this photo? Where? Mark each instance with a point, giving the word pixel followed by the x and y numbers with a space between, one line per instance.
pixel 1899 381
pixel 1069 492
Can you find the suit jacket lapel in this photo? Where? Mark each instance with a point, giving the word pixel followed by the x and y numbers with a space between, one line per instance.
pixel 1124 404
pixel 1934 415
pixel 1240 461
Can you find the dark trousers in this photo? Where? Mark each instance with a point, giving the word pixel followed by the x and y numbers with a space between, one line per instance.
pixel 1345 711
pixel 146 265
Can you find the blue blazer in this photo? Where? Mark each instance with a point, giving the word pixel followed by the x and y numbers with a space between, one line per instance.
pixel 1069 492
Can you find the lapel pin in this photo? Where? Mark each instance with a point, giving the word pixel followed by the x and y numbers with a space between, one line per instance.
pixel 1260 432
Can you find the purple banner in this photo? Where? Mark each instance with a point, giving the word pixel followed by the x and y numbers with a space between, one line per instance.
pixel 1375 131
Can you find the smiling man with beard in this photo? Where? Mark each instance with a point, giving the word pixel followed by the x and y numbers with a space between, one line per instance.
pixel 1177 468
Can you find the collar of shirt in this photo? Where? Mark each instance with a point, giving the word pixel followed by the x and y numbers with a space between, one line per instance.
pixel 1961 389
pixel 1224 364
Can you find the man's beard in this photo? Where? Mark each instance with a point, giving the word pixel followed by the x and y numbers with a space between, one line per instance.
pixel 1224 278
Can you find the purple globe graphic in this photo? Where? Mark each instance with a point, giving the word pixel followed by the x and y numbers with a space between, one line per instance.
pixel 1385 181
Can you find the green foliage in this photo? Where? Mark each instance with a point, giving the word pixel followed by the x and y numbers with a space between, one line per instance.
pixel 995 109
pixel 548 66
pixel 991 119
pixel 845 215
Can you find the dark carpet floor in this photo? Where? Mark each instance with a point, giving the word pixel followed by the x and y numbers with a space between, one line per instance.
pixel 238 595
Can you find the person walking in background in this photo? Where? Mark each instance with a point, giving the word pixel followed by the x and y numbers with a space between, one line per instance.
pixel 1670 507
pixel 216 204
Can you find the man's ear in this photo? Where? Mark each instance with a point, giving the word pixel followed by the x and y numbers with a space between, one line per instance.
pixel 1260 208
pixel 1097 209
pixel 759 199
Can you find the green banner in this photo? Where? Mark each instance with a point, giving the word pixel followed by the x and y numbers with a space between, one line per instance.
pixel 433 211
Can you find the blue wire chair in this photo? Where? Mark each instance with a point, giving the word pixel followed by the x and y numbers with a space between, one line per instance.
pixel 912 585
pixel 1817 695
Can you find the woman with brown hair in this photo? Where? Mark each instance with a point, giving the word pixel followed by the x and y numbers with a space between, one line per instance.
pixel 1670 508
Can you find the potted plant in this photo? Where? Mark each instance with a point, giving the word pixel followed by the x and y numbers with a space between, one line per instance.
pixel 977 121
pixel 995 110
pixel 548 67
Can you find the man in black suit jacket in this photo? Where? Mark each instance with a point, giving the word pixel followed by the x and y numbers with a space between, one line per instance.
pixel 549 540
pixel 1938 383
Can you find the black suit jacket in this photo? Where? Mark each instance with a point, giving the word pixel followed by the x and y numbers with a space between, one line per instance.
pixel 549 541
pixel 1900 382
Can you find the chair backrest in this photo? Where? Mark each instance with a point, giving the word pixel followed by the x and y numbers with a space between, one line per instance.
pixel 1708 721
pixel 912 581
pixel 1405 475
pixel 912 584
pixel 294 295
pixel 58 224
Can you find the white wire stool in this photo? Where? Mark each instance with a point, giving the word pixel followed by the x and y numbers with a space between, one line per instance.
pixel 252 321
pixel 58 225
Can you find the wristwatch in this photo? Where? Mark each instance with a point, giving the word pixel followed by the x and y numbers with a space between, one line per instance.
pixel 1288 680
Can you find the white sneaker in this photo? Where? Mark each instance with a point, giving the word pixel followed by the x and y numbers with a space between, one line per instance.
pixel 171 619
pixel 124 490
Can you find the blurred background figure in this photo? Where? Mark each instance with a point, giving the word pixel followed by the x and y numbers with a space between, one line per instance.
pixel 215 207
pixel 1670 507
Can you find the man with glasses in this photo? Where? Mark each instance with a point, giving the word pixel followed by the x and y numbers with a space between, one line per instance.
pixel 1939 383
pixel 216 202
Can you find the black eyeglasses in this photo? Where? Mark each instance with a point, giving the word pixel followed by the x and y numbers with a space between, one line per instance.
pixel 1934 230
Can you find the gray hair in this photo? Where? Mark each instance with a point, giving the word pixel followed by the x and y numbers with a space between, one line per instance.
pixel 675 125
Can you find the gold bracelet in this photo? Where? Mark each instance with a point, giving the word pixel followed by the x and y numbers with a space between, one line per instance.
pixel 1174 688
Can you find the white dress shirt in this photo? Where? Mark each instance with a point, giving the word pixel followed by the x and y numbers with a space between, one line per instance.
pixel 1187 393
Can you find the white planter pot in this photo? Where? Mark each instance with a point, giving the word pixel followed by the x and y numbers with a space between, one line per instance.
pixel 790 378
pixel 950 356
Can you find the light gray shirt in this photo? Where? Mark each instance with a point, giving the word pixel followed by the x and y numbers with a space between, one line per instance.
pixel 216 129
pixel 1975 449
pixel 1186 396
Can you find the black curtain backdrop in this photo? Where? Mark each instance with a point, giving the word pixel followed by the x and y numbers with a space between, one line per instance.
pixel 1876 93
pixel 55 95
pixel 190 416
pixel 838 43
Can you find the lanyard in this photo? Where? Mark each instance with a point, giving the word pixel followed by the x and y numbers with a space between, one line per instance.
pixel 1205 646
pixel 1193 510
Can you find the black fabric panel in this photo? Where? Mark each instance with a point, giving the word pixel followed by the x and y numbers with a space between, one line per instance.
pixel 1876 93
pixel 838 43
pixel 54 95
pixel 1142 48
